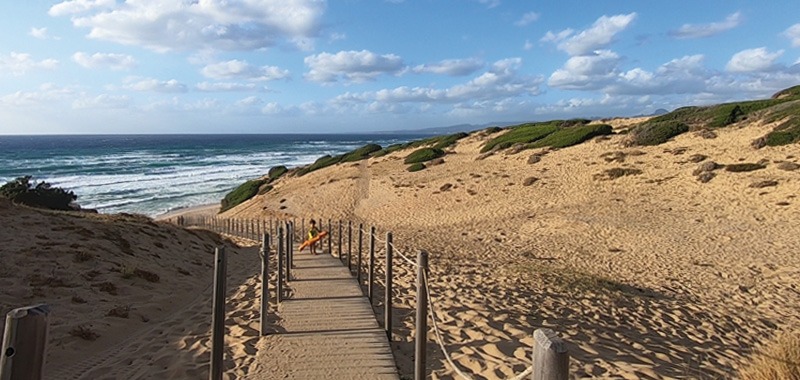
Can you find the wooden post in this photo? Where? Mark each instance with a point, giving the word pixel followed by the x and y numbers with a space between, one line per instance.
pixel 550 356
pixel 218 317
pixel 24 343
pixel 360 247
pixel 264 282
pixel 330 237
pixel 371 273
pixel 387 294
pixel 294 238
pixel 279 282
pixel 289 243
pixel 340 240
pixel 350 245
pixel 420 343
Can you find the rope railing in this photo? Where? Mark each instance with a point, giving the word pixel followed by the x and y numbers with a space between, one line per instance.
pixel 545 340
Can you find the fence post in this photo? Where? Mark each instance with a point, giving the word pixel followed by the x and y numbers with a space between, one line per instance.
pixel 264 282
pixel 360 246
pixel 279 282
pixel 218 318
pixel 550 356
pixel 289 243
pixel 330 237
pixel 387 294
pixel 293 223
pixel 420 349
pixel 24 343
pixel 371 273
pixel 350 246
pixel 340 240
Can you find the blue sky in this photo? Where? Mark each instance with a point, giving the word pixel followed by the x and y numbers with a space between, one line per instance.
pixel 283 66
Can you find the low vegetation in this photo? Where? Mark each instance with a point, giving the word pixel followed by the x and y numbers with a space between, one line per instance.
pixel 520 134
pixel 572 135
pixel 416 167
pixel 423 154
pixel 41 195
pixel 276 172
pixel 744 167
pixel 242 193
pixel 655 132
pixel 779 359
pixel 438 142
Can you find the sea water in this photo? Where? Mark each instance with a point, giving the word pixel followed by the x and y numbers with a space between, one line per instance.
pixel 154 174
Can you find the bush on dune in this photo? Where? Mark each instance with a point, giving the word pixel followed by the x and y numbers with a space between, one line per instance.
pixel 524 133
pixel 416 167
pixel 361 153
pixel 779 359
pixel 41 195
pixel 570 136
pixel 240 194
pixel 422 155
pixel 655 133
pixel 276 172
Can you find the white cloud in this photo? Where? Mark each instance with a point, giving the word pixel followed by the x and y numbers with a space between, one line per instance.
pixel 586 71
pixel 490 3
pixel 528 45
pixel 40 33
pixel 351 66
pixel 793 34
pixel 235 69
pixel 750 60
pixel 104 60
pixel 192 25
pixel 527 19
pixel 20 63
pixel 250 101
pixel 707 30
pixel 598 36
pixel 453 67
pixel 46 94
pixel 70 7
pixel 501 82
pixel 102 101
pixel 227 87
pixel 150 84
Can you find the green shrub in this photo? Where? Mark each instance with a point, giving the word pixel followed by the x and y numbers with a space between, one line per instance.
pixel 42 195
pixel 240 194
pixel 416 167
pixel 492 130
pixel 791 92
pixel 655 133
pixel 574 122
pixel 423 154
pixel 276 172
pixel 565 137
pixel 524 133
pixel 446 141
pixel 360 153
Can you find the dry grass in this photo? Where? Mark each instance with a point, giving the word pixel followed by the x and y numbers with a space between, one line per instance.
pixel 778 360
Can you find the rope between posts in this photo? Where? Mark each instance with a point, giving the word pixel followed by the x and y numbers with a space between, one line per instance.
pixel 440 340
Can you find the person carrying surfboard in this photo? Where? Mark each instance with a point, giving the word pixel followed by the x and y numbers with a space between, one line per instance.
pixel 312 233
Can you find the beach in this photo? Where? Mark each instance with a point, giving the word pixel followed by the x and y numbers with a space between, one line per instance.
pixel 643 269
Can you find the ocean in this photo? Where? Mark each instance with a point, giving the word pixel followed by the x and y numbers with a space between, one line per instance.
pixel 154 174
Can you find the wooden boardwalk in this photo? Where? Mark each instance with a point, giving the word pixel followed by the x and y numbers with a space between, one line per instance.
pixel 326 328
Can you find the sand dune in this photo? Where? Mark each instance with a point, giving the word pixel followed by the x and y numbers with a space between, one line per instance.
pixel 652 274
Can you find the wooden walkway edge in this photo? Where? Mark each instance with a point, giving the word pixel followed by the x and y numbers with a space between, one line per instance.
pixel 326 328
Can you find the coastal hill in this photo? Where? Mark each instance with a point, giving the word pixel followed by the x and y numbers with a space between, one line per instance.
pixel 663 247
pixel 657 247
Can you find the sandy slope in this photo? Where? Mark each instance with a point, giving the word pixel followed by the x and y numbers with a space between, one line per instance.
pixel 85 267
pixel 649 275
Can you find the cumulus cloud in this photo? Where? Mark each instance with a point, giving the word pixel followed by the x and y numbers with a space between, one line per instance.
pixel 453 67
pixel 236 69
pixel 750 60
pixel 227 87
pixel 527 19
pixel 793 34
pixel 687 31
pixel 351 66
pixel 598 36
pixel 193 25
pixel 151 84
pixel 586 71
pixel 71 7
pixel 104 60
pixel 490 3
pixel 500 82
pixel 46 94
pixel 20 63
pixel 40 33
pixel 250 101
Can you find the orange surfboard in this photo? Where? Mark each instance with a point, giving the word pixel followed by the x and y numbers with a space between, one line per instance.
pixel 314 240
